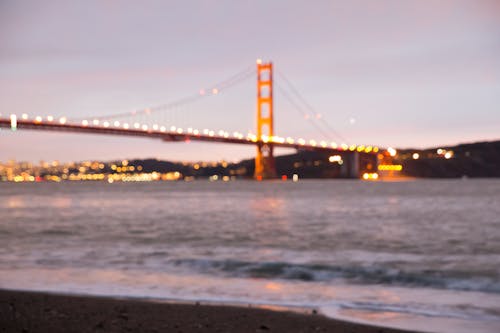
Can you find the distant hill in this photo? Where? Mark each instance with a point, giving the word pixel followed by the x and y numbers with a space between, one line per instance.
pixel 481 159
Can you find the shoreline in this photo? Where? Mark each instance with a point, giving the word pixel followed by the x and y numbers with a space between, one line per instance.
pixel 35 311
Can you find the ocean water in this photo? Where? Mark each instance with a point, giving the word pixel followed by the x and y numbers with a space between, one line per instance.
pixel 419 254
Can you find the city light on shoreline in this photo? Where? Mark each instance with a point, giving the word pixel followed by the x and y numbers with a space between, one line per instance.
pixel 111 172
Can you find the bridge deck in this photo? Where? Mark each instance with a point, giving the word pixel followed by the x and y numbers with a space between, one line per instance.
pixel 168 136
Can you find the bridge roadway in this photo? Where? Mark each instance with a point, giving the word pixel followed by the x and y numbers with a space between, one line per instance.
pixel 168 136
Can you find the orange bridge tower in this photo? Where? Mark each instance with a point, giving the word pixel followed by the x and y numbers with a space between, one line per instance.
pixel 265 167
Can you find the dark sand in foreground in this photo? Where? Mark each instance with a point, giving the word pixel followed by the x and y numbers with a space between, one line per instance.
pixel 22 311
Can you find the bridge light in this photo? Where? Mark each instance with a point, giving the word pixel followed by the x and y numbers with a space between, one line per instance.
pixel 390 167
pixel 137 125
pixel 95 122
pixel 215 91
pixel 335 158
pixel 180 130
pixel 344 146
pixel 221 133
pixel 361 148
pixel 206 131
pixel 392 151
pixel 190 130
pixel 62 120
pixel 312 143
pixel 24 116
pixel 211 133
pixel 265 138
pixel 38 119
pixel 259 61
pixel 13 122
pixel 370 176
pixel 333 145
pixel 172 128
pixel 105 124
pixel 126 126
pixel 144 127
pixel 50 118
pixel 290 140
pixel 116 123
pixel 163 129
pixel 252 137
pixel 85 122
pixel 352 148
pixel 368 149
pixel 301 141
pixel 196 132
pixel 375 149
pixel 226 135
pixel 155 127
pixel 323 144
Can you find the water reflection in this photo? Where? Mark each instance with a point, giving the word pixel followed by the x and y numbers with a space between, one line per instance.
pixel 15 202
pixel 265 206
pixel 273 286
pixel 61 202
pixel 371 316
pixel 270 213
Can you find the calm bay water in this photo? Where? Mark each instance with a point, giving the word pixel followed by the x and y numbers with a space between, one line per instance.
pixel 421 255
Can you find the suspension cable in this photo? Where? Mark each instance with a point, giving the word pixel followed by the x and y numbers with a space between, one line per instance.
pixel 203 93
pixel 304 114
pixel 310 113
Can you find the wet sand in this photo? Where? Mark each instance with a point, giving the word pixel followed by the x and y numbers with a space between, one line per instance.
pixel 23 311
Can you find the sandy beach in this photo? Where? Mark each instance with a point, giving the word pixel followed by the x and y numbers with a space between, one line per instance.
pixel 22 311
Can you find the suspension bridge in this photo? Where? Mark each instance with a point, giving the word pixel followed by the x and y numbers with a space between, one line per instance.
pixel 142 123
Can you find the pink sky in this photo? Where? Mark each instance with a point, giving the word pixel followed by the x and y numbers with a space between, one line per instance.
pixel 387 73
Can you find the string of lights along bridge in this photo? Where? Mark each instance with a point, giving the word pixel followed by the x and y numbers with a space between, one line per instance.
pixel 150 122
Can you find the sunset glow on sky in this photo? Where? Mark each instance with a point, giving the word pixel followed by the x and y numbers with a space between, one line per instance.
pixel 387 73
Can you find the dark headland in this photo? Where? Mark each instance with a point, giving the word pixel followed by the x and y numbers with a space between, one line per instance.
pixel 481 159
